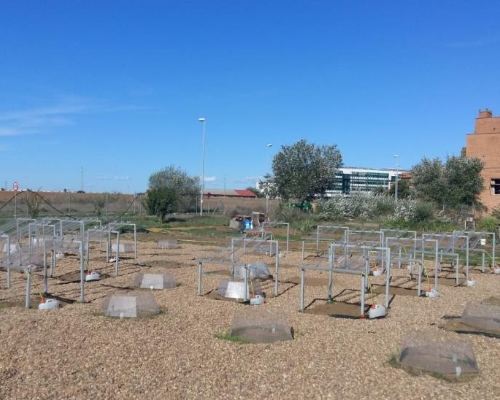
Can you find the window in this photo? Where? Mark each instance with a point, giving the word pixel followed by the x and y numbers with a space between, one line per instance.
pixel 495 186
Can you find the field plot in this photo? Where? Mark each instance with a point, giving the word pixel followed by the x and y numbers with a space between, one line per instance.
pixel 182 348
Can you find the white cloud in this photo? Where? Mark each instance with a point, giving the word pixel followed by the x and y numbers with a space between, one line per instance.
pixel 9 131
pixel 121 178
pixel 248 179
pixel 14 123
pixel 210 179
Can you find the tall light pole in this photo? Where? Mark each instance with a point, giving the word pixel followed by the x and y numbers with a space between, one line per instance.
pixel 269 145
pixel 396 156
pixel 202 120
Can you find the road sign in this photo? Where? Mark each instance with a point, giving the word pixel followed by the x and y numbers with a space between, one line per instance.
pixel 15 186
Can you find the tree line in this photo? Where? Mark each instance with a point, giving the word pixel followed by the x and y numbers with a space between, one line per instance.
pixel 303 172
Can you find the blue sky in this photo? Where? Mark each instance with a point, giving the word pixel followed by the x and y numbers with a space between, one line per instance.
pixel 102 94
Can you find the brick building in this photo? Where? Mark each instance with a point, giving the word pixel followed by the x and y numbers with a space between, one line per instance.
pixel 484 143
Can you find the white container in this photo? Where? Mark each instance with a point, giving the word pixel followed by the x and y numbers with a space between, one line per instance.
pixel 496 269
pixel 236 290
pixel 59 256
pixel 92 276
pixel 431 293
pixel 378 272
pixel 31 268
pixel 482 242
pixel 167 244
pixel 376 311
pixel 471 282
pixel 122 248
pixel 48 304
pixel 256 300
pixel 12 248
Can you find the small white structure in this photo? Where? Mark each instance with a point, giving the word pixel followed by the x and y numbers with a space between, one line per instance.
pixel 130 305
pixel 233 290
pixel 484 316
pixel 12 248
pixel 154 281
pixel 122 248
pixel 259 270
pixel 168 244
pixel 436 352
pixel 377 311
pixel 92 276
pixel 260 325
pixel 48 304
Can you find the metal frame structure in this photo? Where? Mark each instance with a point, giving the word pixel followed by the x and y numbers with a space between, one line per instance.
pixel 449 246
pixel 232 256
pixel 272 224
pixel 344 264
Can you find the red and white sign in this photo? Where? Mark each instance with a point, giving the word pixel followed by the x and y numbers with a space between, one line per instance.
pixel 15 186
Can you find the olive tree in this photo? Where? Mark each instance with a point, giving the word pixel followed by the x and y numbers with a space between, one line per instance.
pixel 303 171
pixel 161 201
pixel 186 188
pixel 453 184
pixel 464 180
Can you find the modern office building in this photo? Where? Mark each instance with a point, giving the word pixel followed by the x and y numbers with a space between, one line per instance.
pixel 363 180
pixel 484 143
pixel 350 180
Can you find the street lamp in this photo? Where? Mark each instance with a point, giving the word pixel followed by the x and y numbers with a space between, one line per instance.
pixel 269 145
pixel 396 156
pixel 202 120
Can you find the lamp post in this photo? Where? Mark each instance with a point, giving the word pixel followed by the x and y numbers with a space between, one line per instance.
pixel 396 156
pixel 269 145
pixel 202 120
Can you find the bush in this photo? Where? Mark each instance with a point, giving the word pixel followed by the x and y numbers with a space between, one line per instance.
pixel 357 205
pixel 290 215
pixel 305 226
pixel 488 224
pixel 239 210
pixel 423 212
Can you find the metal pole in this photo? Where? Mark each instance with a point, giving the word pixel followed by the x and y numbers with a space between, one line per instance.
pixel 202 120
pixel 302 287
pixel 267 185
pixel 28 287
pixel 82 274
pixel 245 283
pixel 276 281
pixel 200 273
pixel 396 180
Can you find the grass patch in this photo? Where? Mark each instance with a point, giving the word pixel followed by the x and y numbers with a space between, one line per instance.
pixel 393 361
pixel 227 336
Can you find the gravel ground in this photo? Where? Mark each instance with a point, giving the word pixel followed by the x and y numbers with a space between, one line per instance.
pixel 77 353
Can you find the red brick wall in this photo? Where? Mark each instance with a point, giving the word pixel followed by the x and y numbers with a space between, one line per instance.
pixel 484 143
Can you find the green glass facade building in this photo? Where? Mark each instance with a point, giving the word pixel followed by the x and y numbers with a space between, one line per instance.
pixel 361 180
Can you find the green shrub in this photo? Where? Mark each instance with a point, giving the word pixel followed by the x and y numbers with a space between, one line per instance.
pixel 488 224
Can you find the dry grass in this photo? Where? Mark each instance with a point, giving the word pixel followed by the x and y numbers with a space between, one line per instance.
pixel 117 204
pixel 75 352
